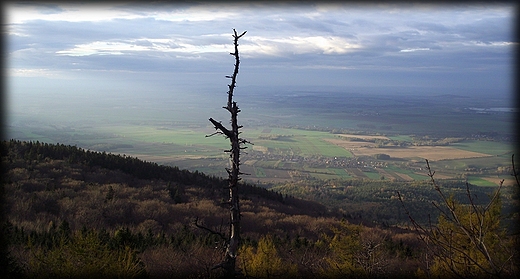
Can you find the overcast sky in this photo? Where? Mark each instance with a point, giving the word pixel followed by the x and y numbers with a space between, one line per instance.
pixel 78 49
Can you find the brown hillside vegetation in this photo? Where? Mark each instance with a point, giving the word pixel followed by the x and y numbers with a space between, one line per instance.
pixel 69 215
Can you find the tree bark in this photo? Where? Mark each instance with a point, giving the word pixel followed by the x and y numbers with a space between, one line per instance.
pixel 229 262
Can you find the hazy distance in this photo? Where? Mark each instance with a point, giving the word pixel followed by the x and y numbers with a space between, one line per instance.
pixel 73 62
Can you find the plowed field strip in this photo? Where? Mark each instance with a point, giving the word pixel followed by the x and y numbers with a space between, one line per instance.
pixel 393 175
pixel 404 176
pixel 357 173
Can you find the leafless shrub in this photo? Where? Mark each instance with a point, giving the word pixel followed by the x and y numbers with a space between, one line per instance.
pixel 468 240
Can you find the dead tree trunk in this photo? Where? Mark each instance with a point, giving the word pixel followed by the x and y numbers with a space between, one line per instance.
pixel 229 262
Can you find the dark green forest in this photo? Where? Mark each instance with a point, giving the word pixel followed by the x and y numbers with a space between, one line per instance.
pixel 71 212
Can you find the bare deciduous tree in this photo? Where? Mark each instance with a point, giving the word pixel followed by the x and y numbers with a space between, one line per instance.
pixel 233 241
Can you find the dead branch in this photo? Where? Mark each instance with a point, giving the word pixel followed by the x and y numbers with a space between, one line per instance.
pixel 441 243
pixel 514 170
pixel 196 223
pixel 233 242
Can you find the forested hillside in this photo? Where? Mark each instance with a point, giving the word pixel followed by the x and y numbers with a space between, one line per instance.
pixel 55 180
pixel 72 212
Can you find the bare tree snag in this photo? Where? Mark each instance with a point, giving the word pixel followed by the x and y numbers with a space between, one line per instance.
pixel 229 262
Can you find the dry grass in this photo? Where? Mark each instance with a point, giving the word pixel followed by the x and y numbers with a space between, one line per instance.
pixel 433 153
pixel 350 145
pixel 365 137
pixel 260 148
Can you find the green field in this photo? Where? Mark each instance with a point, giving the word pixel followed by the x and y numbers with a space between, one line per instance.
pixel 259 172
pixel 373 175
pixel 401 137
pixel 304 142
pixel 410 173
pixel 480 182
pixel 288 134
pixel 487 147
pixel 286 149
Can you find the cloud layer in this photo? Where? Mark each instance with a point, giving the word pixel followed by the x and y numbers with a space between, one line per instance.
pixel 463 48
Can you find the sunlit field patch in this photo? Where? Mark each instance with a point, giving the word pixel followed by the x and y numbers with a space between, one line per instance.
pixel 364 137
pixel 424 152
